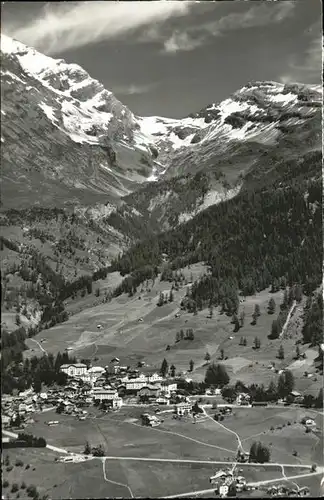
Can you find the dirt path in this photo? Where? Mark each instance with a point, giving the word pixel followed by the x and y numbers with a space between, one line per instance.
pixel 288 478
pixel 214 462
pixel 185 437
pixel 39 345
pixel 240 446
pixel 114 482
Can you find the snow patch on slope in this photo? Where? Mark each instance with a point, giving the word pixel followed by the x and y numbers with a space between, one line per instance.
pixel 79 115
pixel 48 110
pixel 154 129
pixel 283 98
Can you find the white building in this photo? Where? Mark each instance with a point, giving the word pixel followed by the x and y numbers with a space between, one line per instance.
pixel 167 388
pixel 95 372
pixel 242 399
pixel 26 393
pixel 155 377
pixel 117 403
pixel 183 408
pixel 74 370
pixel 136 383
pixel 104 394
pixel 223 490
pixel 162 401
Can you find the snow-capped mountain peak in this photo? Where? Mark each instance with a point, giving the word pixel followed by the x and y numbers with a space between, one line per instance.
pixel 77 103
pixel 56 105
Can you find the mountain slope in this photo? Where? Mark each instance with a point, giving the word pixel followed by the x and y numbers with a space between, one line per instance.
pixel 286 144
pixel 91 179
pixel 79 144
pixel 63 135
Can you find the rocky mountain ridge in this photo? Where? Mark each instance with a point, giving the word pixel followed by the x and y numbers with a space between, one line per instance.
pixel 88 148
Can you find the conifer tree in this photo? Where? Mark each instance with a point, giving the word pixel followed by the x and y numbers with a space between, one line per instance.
pixel 271 306
pixel 164 368
pixel 281 353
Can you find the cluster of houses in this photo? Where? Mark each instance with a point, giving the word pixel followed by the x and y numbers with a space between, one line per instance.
pixel 112 384
pixel 24 404
pixel 228 483
pixel 225 482
pixel 283 490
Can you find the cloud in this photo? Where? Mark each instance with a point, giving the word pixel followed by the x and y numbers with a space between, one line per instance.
pixel 133 89
pixel 68 25
pixel 312 62
pixel 180 42
pixel 259 15
pixel 307 66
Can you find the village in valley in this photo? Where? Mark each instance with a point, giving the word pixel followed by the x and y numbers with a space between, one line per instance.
pixel 101 413
pixel 161 250
pixel 242 417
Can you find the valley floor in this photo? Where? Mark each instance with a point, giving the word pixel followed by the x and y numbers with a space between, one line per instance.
pixel 177 458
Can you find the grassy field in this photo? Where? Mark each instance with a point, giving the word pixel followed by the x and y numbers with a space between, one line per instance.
pixel 124 336
pixel 58 480
pixel 255 424
pixel 86 480
pixel 122 435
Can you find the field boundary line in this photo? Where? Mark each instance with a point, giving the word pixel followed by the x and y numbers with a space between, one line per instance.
pixel 185 437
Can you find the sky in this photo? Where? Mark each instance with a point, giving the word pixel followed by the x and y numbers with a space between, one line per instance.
pixel 172 58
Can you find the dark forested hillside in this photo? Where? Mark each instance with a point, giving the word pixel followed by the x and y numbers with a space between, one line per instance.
pixel 249 242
